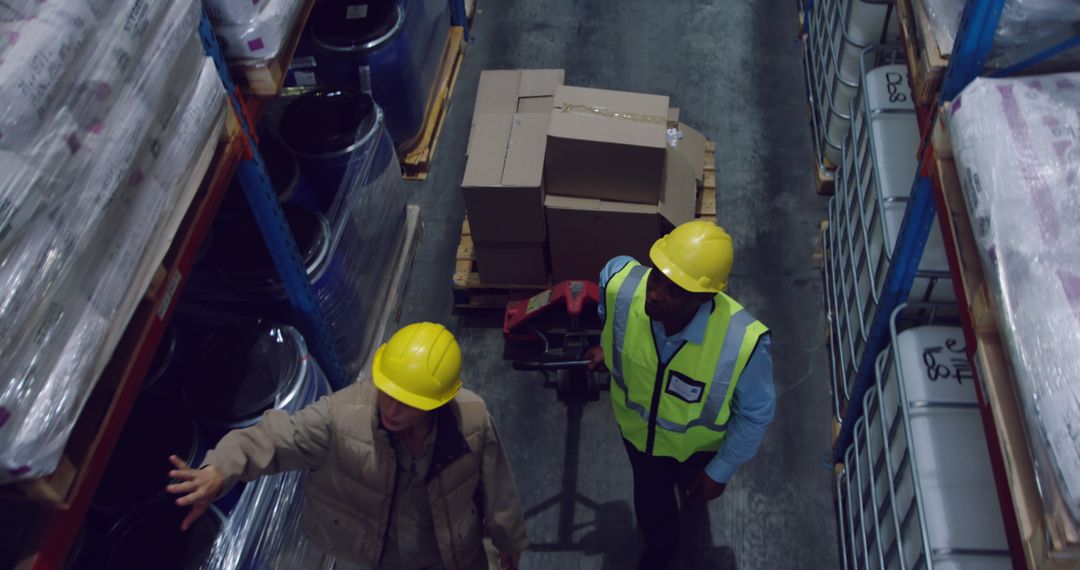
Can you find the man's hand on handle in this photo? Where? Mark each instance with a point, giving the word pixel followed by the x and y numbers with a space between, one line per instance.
pixel 596 358
pixel 703 489
pixel 199 488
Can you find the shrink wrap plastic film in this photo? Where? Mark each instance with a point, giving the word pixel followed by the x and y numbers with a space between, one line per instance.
pixel 233 12
pixel 89 205
pixel 263 530
pixel 1017 149
pixel 1021 22
pixel 261 37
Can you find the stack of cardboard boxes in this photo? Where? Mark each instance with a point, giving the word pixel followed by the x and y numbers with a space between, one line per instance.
pixel 560 179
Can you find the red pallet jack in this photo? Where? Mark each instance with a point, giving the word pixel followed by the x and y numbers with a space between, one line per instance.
pixel 563 321
pixel 555 328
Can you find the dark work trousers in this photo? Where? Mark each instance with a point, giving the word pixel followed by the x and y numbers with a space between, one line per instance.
pixel 655 504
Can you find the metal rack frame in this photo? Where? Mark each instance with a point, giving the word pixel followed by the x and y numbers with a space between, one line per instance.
pixel 978 25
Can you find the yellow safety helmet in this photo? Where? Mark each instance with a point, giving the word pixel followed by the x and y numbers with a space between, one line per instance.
pixel 419 366
pixel 696 256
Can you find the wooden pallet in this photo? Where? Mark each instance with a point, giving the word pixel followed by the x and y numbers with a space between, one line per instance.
pixel 265 78
pixel 705 206
pixel 824 179
pixel 1048 537
pixel 417 157
pixel 926 61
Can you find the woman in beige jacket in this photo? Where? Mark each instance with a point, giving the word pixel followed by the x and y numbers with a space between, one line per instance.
pixel 407 471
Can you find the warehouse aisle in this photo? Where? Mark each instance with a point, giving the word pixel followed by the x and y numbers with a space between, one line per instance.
pixel 734 70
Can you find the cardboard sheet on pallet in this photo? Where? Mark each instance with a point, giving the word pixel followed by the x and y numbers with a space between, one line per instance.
pixel 584 233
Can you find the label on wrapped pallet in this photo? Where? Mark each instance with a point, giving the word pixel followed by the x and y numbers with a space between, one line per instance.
pixel 356 11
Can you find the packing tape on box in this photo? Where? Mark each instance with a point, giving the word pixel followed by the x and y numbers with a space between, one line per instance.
pixel 605 112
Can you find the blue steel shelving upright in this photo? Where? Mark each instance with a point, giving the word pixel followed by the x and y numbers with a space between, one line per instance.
pixel 260 194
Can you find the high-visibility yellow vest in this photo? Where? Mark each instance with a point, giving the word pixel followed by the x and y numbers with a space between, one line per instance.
pixel 681 407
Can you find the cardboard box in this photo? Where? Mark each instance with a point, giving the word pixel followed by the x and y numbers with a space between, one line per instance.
pixel 503 187
pixel 517 91
pixel 503 182
pixel 608 145
pixel 673 118
pixel 584 233
pixel 511 263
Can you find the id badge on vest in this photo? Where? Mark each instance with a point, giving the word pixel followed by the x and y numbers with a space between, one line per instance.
pixel 684 387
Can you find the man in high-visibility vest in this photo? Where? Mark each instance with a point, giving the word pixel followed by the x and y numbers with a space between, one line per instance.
pixel 692 379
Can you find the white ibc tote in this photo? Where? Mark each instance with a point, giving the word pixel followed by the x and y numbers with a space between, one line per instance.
pixel 873 184
pixel 917 489
pixel 839 31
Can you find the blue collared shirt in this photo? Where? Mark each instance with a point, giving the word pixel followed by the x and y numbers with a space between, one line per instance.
pixel 754 402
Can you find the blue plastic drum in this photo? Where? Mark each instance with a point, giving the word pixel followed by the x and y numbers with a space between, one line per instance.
pixel 337 136
pixel 245 264
pixel 236 375
pixel 390 49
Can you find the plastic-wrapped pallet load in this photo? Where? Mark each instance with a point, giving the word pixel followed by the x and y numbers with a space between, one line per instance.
pixel 1021 22
pixel 263 35
pixel 916 489
pixel 115 167
pixel 1017 149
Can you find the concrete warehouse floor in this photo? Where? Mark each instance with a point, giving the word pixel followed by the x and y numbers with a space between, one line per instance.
pixel 734 70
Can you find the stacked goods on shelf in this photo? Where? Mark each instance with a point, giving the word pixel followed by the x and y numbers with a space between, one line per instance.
pixel 931 27
pixel 873 182
pixel 254 32
pixel 230 378
pixel 916 489
pixel 333 166
pixel 1015 144
pixel 391 49
pixel 581 174
pixel 837 33
pixel 108 109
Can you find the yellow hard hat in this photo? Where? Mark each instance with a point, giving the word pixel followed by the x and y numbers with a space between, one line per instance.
pixel 420 366
pixel 697 256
